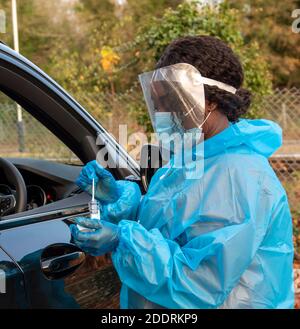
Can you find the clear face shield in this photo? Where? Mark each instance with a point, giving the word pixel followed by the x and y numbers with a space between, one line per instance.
pixel 175 100
pixel 174 93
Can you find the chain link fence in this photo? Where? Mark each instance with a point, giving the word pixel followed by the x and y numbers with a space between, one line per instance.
pixel 283 106
pixel 30 138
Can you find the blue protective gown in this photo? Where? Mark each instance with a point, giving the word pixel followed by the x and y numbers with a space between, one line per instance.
pixel 221 241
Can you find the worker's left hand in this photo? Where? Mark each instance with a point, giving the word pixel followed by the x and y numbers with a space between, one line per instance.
pixel 126 207
pixel 103 238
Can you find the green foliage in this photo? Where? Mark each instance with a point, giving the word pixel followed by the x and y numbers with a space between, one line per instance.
pixel 79 66
pixel 270 24
pixel 222 22
pixel 67 40
pixel 188 19
pixel 41 28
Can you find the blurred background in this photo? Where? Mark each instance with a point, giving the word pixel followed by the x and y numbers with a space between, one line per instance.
pixel 96 48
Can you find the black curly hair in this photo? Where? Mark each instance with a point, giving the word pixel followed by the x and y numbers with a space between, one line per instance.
pixel 214 60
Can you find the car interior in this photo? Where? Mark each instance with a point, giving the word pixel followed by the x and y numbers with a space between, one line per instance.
pixel 32 186
pixel 38 186
pixel 49 185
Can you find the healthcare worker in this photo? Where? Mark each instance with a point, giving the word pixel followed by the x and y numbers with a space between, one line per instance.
pixel 214 229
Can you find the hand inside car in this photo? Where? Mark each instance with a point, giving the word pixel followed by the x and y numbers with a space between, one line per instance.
pixel 118 199
pixel 106 188
pixel 103 239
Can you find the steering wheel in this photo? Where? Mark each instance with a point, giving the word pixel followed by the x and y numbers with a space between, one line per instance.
pixel 13 203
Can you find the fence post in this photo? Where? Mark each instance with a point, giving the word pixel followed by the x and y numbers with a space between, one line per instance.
pixel 284 116
pixel 20 124
pixel 2 21
pixel 20 129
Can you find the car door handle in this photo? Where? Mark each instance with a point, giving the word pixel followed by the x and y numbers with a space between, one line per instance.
pixel 60 266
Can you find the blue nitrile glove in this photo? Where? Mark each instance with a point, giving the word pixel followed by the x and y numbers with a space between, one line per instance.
pixel 103 239
pixel 119 199
pixel 106 187
pixel 126 206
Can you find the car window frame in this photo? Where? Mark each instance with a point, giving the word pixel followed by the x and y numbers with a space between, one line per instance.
pixel 24 69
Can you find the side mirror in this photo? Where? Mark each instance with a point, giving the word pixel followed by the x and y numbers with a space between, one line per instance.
pixel 151 160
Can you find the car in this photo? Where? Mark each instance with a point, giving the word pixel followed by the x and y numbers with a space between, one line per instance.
pixel 40 266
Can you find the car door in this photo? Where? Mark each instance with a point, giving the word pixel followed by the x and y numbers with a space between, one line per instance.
pixel 12 285
pixel 56 273
pixel 39 247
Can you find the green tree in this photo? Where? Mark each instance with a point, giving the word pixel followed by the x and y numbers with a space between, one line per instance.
pixel 222 22
pixel 106 25
pixel 40 28
pixel 270 24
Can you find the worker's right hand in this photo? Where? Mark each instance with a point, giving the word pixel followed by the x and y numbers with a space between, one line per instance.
pixel 102 237
pixel 106 188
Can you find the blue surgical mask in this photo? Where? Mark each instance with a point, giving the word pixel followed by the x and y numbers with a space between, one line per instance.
pixel 167 122
pixel 169 130
pixel 168 127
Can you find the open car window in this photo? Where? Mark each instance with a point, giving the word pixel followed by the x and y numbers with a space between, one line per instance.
pixel 22 136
